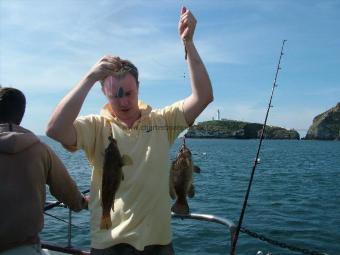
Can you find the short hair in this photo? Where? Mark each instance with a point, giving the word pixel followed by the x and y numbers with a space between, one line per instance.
pixel 12 105
pixel 123 67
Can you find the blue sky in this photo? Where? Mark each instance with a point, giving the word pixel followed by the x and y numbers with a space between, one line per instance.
pixel 47 46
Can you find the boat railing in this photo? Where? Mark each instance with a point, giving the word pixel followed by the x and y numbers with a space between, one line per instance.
pixel 71 250
pixel 231 227
pixel 210 218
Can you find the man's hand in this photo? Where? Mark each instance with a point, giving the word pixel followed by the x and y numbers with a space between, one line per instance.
pixel 86 201
pixel 186 25
pixel 102 69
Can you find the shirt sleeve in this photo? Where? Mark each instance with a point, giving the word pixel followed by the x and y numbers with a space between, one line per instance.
pixel 175 120
pixel 61 185
pixel 85 127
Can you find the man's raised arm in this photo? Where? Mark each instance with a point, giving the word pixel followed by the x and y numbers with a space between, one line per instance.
pixel 60 126
pixel 201 90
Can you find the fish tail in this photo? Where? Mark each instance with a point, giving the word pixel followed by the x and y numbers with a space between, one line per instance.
pixel 180 207
pixel 105 222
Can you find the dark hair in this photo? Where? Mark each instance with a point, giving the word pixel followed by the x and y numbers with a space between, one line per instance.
pixel 122 67
pixel 12 105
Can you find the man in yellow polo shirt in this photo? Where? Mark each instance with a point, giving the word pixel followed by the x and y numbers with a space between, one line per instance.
pixel 141 219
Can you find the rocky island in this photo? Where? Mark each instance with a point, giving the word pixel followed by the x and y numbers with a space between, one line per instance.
pixel 325 126
pixel 238 130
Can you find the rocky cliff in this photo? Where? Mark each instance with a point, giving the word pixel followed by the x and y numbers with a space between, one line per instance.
pixel 238 130
pixel 326 126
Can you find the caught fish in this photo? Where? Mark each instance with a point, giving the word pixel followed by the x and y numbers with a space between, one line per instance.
pixel 181 182
pixel 112 176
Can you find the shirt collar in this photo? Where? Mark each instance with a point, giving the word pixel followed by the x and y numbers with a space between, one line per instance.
pixel 108 113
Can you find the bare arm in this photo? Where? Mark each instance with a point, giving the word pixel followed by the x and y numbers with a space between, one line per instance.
pixel 60 126
pixel 201 90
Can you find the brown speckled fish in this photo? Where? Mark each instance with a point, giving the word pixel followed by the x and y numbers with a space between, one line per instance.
pixel 181 182
pixel 112 176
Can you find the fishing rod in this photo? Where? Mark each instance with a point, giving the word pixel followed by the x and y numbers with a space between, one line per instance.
pixel 52 205
pixel 256 161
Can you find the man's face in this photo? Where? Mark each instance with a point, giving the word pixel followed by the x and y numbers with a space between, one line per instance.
pixel 122 94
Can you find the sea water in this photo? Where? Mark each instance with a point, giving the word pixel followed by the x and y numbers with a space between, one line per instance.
pixel 294 199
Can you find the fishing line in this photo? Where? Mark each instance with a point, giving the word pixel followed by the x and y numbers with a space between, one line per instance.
pixel 169 69
pixel 55 217
pixel 167 66
pixel 256 161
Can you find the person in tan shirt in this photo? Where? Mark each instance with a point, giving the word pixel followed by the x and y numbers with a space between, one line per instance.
pixel 26 166
pixel 141 215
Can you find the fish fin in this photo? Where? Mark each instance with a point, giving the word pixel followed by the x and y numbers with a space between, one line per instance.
pixel 106 222
pixel 181 208
pixel 191 192
pixel 196 169
pixel 127 161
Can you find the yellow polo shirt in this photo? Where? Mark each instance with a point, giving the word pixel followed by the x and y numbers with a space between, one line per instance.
pixel 142 203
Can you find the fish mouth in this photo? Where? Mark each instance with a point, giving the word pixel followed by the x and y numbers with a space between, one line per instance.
pixel 185 152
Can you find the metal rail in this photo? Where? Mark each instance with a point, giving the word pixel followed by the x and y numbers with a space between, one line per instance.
pixel 194 216
pixel 206 217
pixel 65 250
pixel 210 218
